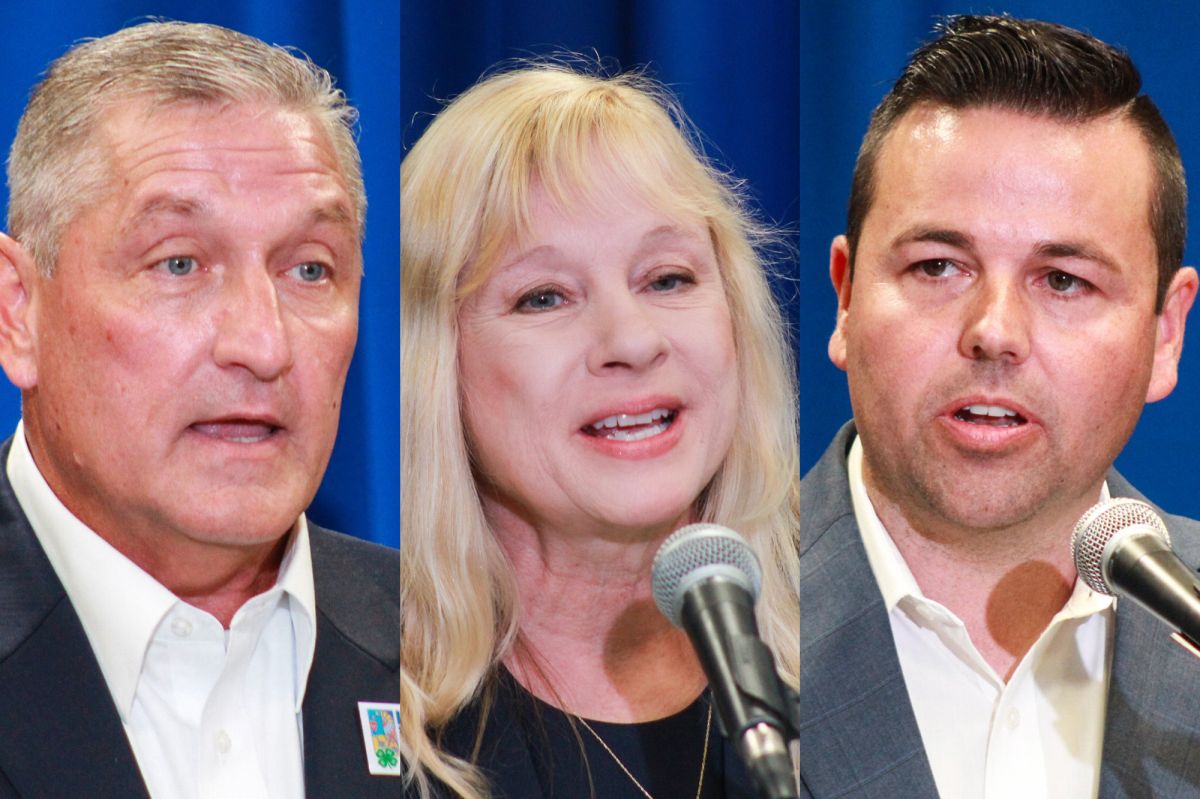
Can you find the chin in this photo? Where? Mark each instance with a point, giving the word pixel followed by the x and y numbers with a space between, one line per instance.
pixel 237 524
pixel 651 519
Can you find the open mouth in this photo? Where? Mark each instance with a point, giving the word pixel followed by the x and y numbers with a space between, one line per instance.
pixel 990 415
pixel 632 426
pixel 237 431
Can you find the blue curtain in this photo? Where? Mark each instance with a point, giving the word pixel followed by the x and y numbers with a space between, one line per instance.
pixel 850 53
pixel 356 41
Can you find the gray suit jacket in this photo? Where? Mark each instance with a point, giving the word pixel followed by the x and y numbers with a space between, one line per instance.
pixel 60 735
pixel 859 737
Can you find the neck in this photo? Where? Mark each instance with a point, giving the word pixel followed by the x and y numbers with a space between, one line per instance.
pixel 1006 585
pixel 591 640
pixel 226 583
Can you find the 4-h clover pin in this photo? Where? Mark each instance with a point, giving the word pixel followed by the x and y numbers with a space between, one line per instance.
pixel 386 757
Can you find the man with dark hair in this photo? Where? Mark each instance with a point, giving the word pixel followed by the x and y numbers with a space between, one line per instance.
pixel 1001 329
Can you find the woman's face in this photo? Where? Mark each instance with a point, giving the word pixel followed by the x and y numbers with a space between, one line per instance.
pixel 598 369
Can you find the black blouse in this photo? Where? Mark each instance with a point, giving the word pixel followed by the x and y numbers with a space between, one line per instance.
pixel 532 750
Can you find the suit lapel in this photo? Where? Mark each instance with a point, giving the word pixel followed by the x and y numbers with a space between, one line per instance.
pixel 1152 725
pixel 357 659
pixel 60 734
pixel 858 733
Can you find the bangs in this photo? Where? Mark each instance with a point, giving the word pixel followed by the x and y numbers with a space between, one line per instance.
pixel 588 145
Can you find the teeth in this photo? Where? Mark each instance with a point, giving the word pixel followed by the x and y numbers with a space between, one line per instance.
pixel 637 435
pixel 990 410
pixel 631 420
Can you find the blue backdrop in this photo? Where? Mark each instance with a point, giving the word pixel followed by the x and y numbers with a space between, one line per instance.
pixel 356 41
pixel 850 53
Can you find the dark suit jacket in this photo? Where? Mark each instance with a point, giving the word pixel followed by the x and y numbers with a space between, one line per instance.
pixel 859 737
pixel 60 735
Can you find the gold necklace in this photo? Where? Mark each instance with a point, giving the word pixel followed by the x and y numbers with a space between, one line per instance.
pixel 617 760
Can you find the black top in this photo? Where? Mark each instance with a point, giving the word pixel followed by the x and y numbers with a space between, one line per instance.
pixel 531 749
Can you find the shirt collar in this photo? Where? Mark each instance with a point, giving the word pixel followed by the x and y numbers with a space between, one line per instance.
pixel 119 605
pixel 895 579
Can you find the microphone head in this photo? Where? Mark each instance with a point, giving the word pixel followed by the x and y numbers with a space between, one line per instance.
pixel 700 552
pixel 1102 528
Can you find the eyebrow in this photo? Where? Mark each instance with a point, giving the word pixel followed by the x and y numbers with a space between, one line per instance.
pixel 1074 249
pixel 335 213
pixel 165 205
pixel 953 238
pixel 1046 249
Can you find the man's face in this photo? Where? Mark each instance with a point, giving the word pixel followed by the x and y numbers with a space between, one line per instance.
pixel 188 355
pixel 999 334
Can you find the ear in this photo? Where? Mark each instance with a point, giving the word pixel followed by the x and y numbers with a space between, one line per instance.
pixel 839 275
pixel 17 275
pixel 1168 342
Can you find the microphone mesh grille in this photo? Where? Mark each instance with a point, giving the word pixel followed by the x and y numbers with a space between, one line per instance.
pixel 1098 526
pixel 698 548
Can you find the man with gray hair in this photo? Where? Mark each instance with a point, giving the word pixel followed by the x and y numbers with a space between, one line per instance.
pixel 178 305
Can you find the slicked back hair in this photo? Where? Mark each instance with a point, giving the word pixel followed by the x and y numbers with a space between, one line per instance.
pixel 1037 68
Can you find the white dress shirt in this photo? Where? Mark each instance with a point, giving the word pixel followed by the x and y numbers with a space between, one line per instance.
pixel 210 713
pixel 1037 737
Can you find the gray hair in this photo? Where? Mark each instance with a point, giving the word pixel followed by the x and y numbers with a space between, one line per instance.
pixel 58 164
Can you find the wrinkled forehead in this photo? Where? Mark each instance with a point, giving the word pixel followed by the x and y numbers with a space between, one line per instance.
pixel 142 129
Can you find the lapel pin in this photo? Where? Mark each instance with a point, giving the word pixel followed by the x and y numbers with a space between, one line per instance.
pixel 381 736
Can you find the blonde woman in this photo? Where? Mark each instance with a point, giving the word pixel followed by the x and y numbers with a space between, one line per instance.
pixel 591 357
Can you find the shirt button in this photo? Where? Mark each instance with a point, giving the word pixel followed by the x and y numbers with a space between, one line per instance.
pixel 1012 718
pixel 224 743
pixel 181 627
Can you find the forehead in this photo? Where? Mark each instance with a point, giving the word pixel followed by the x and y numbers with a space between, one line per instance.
pixel 1031 175
pixel 596 193
pixel 189 154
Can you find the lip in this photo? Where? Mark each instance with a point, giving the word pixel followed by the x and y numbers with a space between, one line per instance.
pixel 238 429
pixel 988 439
pixel 650 447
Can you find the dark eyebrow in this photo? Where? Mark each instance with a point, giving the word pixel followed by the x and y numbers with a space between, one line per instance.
pixel 947 236
pixel 1046 249
pixel 1073 249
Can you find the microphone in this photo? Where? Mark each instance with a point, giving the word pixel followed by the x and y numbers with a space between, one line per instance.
pixel 706 580
pixel 1122 548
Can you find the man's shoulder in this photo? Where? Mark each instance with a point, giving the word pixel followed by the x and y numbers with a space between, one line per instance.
pixel 357 585
pixel 334 551
pixel 1185 531
pixel 825 491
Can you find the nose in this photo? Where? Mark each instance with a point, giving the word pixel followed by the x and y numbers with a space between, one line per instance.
pixel 627 335
pixel 997 324
pixel 250 328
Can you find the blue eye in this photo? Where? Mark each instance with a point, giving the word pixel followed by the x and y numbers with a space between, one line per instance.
pixel 310 272
pixel 540 300
pixel 178 265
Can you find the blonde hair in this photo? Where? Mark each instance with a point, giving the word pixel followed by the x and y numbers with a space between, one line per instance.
pixel 58 164
pixel 465 190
